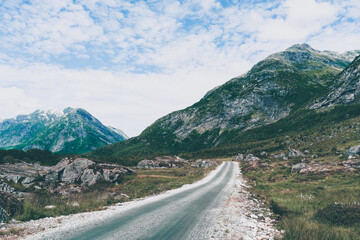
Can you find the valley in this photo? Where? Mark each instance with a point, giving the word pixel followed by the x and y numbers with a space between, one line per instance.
pixel 286 136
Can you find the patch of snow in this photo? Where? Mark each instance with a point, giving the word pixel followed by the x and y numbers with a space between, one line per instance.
pixel 118 131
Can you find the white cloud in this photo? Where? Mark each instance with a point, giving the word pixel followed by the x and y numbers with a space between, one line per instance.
pixel 179 50
pixel 127 101
pixel 14 101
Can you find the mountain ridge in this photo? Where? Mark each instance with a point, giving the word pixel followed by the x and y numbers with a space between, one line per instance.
pixel 73 130
pixel 276 88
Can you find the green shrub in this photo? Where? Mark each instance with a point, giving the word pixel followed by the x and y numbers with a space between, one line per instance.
pixel 277 209
pixel 339 214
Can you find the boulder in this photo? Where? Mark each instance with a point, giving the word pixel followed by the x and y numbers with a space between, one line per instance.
pixel 148 164
pixel 351 164
pixel 298 167
pixel 251 157
pixel 239 157
pixel 73 170
pixel 51 178
pixel 281 156
pixel 162 162
pixel 263 153
pixel 9 206
pixel 28 181
pixel 50 207
pixel 89 178
pixel 295 153
pixel 4 216
pixel 6 188
pixel 205 163
pixel 353 151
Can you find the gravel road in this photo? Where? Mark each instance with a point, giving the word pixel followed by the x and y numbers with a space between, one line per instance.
pixel 174 217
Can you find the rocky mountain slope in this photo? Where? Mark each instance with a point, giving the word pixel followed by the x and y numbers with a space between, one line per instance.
pixel 276 88
pixel 70 131
pixel 346 90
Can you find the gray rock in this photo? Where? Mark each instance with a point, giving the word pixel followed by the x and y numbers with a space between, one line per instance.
pixel 6 188
pixel 73 171
pixel 89 178
pixel 51 178
pixel 298 167
pixel 239 157
pixel 148 164
pixel 280 155
pixel 351 164
pixel 28 181
pixel 68 176
pixel 353 151
pixel 50 207
pixel 9 206
pixel 295 153
pixel 205 163
pixel 162 162
pixel 250 157
pixel 4 216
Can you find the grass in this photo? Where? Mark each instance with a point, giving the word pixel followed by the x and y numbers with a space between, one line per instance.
pixel 303 204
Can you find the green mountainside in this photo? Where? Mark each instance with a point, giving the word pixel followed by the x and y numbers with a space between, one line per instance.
pixel 70 131
pixel 278 96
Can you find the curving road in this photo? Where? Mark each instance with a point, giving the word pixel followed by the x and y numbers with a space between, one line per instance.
pixel 184 215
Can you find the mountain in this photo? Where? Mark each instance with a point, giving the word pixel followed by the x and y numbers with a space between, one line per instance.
pixel 277 90
pixel 346 90
pixel 70 131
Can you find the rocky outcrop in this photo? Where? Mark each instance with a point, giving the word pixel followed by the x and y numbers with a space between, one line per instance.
pixel 293 153
pixel 354 164
pixel 281 156
pixel 19 172
pixel 325 168
pixel 164 162
pixel 249 157
pixel 174 162
pixel 353 151
pixel 298 167
pixel 74 169
pixel 346 89
pixel 203 163
pixel 239 157
pixel 9 206
pixel 66 177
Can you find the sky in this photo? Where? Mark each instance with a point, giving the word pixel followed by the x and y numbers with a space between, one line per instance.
pixel 131 62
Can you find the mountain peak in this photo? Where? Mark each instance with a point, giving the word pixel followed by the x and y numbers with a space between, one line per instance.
pixel 302 47
pixel 67 110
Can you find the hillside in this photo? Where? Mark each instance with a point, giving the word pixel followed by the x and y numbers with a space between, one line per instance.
pixel 70 131
pixel 271 100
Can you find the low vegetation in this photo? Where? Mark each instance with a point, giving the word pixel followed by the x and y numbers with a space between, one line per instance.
pixel 311 205
pixel 42 157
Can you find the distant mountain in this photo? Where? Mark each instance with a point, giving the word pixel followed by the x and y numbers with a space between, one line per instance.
pixel 70 131
pixel 278 87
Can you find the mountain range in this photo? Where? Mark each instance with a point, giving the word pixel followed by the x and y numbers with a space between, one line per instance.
pixel 281 94
pixel 73 130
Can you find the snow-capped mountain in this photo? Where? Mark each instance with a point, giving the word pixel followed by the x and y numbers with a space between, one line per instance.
pixel 69 131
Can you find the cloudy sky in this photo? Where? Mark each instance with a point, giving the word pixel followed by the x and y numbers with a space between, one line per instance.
pixel 131 62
